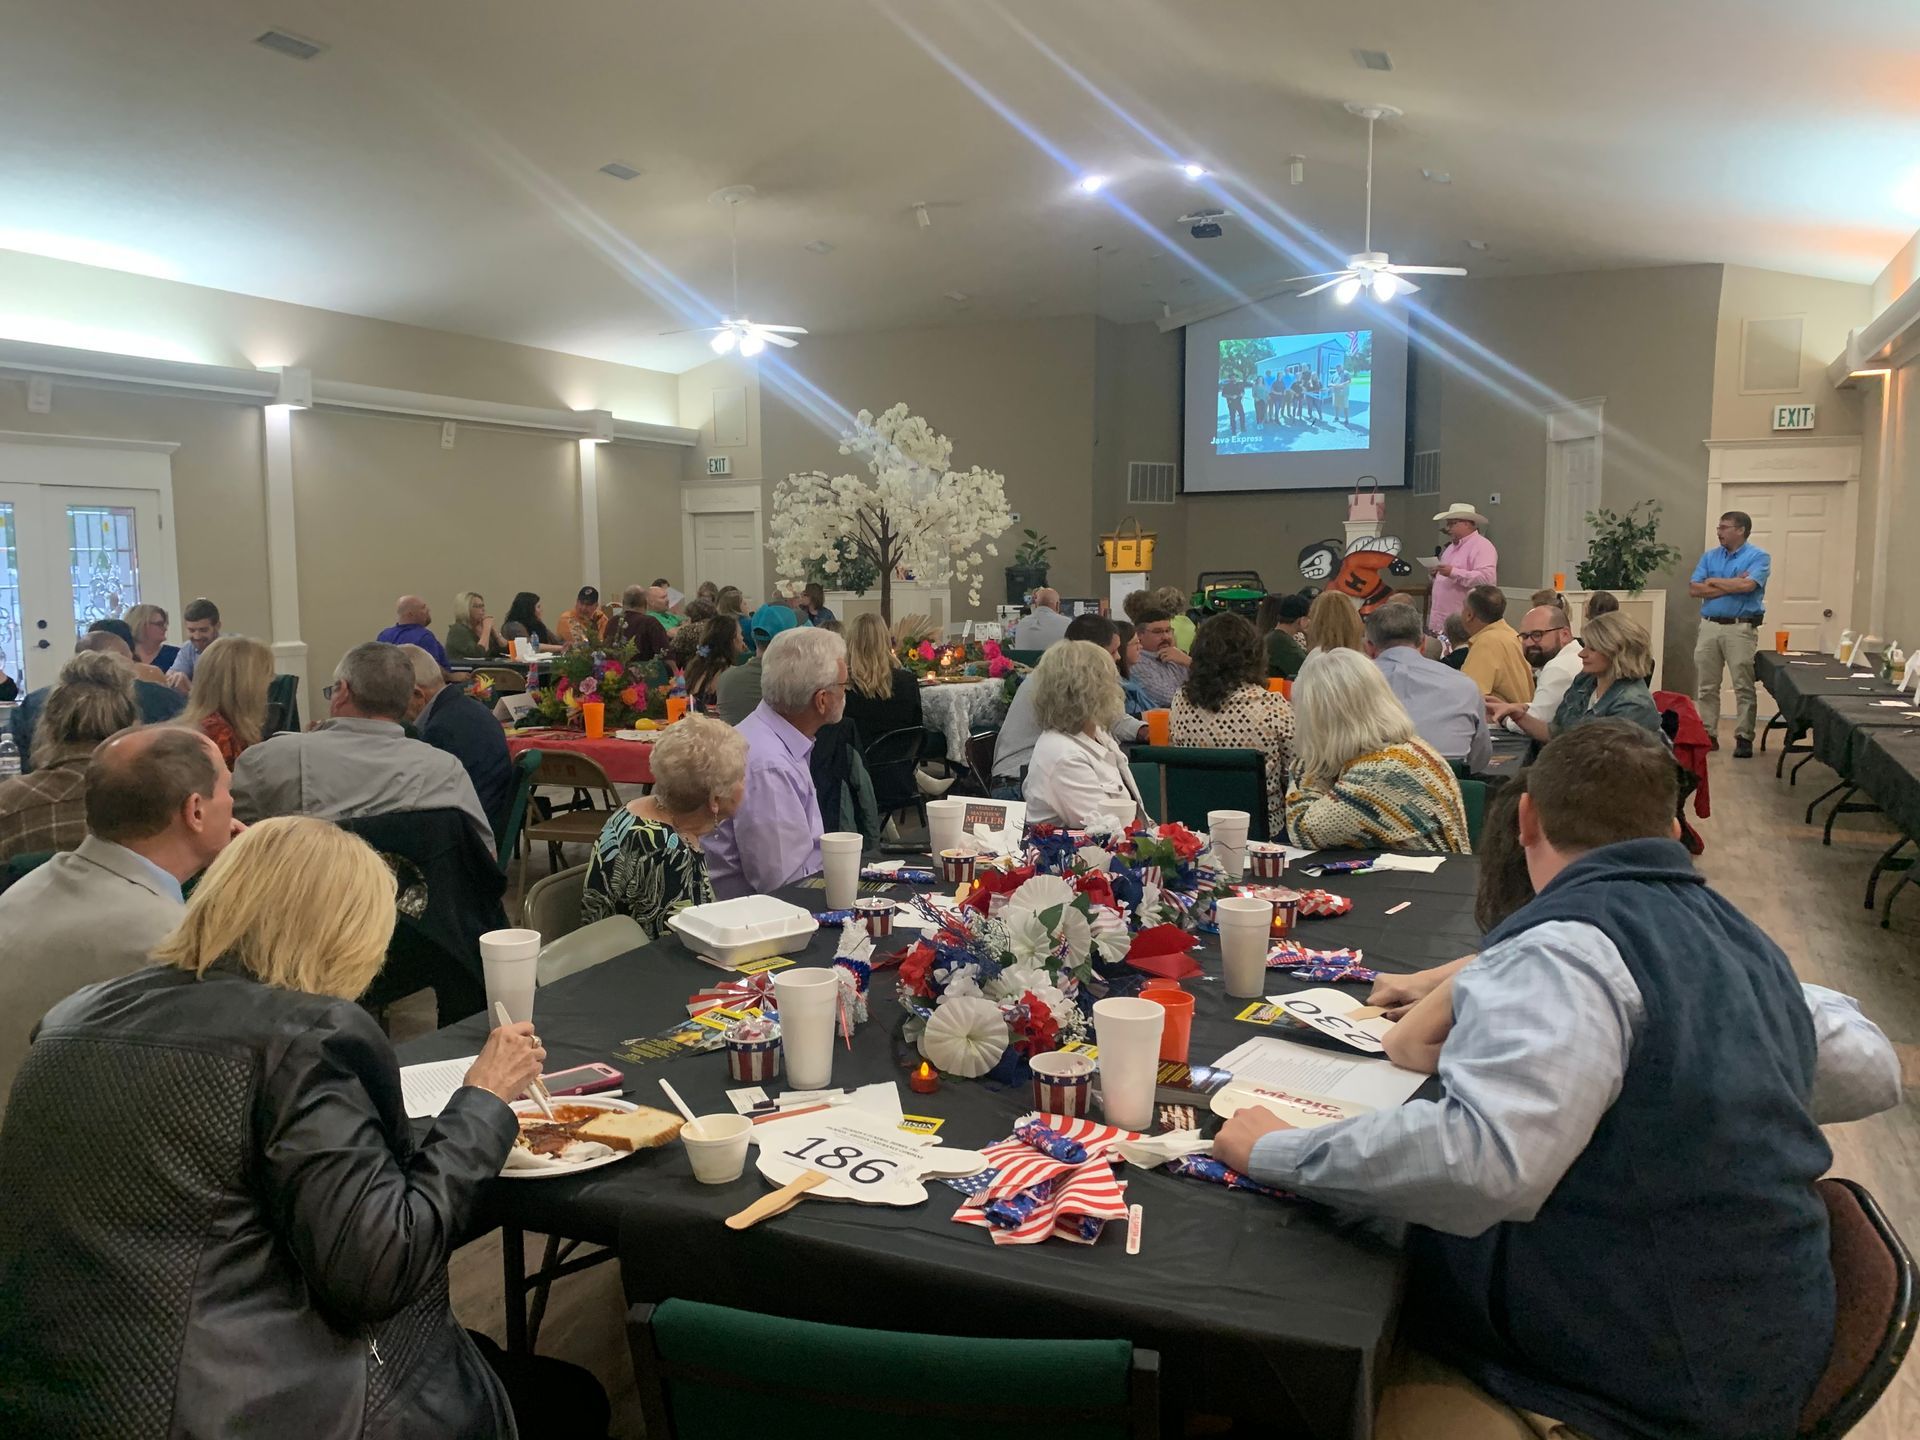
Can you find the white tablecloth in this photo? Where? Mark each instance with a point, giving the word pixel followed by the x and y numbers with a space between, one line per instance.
pixel 956 711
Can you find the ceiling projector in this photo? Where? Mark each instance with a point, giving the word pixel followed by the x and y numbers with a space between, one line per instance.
pixel 1204 224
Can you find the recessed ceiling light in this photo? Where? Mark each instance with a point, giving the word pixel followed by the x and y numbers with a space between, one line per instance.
pixel 619 171
pixel 1193 171
pixel 817 247
pixel 1438 177
pixel 1477 245
pixel 958 296
pixel 1090 184
pixel 1373 59
pixel 283 42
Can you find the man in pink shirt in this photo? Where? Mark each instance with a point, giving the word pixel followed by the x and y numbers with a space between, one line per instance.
pixel 1469 560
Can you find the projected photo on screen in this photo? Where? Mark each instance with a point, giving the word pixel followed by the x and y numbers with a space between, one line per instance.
pixel 1287 394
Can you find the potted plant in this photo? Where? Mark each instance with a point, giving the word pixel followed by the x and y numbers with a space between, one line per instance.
pixel 1028 572
pixel 1624 549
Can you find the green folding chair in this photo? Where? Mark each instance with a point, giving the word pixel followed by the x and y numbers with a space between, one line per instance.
pixel 22 864
pixel 1188 781
pixel 283 705
pixel 508 840
pixel 1474 795
pixel 1029 658
pixel 812 1379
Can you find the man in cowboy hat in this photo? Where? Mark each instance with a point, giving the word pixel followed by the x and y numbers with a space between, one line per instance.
pixel 1468 560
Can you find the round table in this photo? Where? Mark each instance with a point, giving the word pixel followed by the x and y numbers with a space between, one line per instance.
pixel 627 762
pixel 959 708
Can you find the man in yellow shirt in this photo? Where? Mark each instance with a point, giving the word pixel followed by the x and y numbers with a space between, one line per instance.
pixel 586 622
pixel 1495 661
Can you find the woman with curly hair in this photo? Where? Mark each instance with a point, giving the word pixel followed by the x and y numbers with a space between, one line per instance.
pixel 1078 771
pixel 1225 704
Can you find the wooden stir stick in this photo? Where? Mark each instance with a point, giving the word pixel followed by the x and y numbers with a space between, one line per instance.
pixel 537 1090
pixel 781 1200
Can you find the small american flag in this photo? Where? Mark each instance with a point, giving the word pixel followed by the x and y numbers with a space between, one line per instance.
pixel 1079 1199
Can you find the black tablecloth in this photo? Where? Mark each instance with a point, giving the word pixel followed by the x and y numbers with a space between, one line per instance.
pixel 1793 679
pixel 1275 1311
pixel 1886 764
pixel 1838 721
pixel 1509 756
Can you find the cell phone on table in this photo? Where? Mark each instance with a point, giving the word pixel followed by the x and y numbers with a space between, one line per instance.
pixel 583 1080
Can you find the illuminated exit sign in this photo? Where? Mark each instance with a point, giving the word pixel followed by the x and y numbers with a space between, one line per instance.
pixel 1793 417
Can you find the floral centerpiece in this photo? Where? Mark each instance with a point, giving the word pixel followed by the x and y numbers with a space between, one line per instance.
pixel 632 690
pixel 913 512
pixel 932 659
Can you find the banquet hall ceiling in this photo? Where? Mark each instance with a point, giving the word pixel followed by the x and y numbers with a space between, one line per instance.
pixel 438 163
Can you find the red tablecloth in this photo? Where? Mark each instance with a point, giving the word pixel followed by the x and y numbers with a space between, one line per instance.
pixel 627 762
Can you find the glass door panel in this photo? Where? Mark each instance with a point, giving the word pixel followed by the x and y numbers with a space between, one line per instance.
pixel 103 561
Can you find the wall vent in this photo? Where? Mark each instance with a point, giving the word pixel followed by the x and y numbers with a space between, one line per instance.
pixel 1151 482
pixel 283 43
pixel 1426 472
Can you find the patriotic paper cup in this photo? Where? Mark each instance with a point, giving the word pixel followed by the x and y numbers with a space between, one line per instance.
pixel 876 915
pixel 1266 862
pixel 753 1062
pixel 1062 1083
pixel 956 865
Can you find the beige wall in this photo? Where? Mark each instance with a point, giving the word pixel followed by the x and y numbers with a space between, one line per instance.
pixel 1828 310
pixel 218 504
pixel 56 302
pixel 639 517
pixel 1016 398
pixel 698 392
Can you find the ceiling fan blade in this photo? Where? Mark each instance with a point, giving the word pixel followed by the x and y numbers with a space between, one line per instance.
pixel 781 340
pixel 1295 280
pixel 696 330
pixel 784 329
pixel 1325 285
pixel 1407 287
pixel 1426 270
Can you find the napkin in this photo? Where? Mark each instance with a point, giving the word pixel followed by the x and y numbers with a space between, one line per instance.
pixel 1163 950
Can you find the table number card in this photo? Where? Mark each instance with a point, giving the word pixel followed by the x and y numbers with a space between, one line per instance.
pixel 1331 1013
pixel 864 1157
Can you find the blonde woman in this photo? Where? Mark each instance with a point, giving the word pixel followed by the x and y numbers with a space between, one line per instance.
pixel 1616 657
pixel 229 696
pixel 649 859
pixel 473 635
pixel 1361 777
pixel 1333 623
pixel 882 695
pixel 254 1190
pixel 1078 771
pixel 150 624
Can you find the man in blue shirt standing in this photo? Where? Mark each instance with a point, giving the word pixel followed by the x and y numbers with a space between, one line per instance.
pixel 1731 583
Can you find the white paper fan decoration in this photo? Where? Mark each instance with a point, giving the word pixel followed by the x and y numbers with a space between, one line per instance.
pixel 965 1037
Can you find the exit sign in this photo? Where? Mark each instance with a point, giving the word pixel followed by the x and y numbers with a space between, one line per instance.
pixel 1793 417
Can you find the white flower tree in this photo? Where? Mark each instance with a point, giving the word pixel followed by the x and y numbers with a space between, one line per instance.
pixel 915 510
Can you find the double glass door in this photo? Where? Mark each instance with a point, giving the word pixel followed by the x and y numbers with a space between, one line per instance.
pixel 70 556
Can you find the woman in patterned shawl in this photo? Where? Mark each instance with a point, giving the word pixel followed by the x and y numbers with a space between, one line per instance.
pixel 647 862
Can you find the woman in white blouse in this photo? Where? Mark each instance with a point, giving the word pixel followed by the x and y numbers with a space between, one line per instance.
pixel 1078 771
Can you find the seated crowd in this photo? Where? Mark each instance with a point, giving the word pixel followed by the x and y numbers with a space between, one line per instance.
pixel 1593 1107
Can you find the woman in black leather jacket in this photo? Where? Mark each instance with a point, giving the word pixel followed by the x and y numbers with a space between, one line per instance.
pixel 215 1219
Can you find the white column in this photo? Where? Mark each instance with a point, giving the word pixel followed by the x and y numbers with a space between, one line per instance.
pixel 590 514
pixel 283 565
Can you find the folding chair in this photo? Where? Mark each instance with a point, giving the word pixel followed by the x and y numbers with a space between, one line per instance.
pixel 581 821
pixel 1877 1306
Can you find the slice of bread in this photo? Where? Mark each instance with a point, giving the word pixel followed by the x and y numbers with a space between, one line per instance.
pixel 642 1129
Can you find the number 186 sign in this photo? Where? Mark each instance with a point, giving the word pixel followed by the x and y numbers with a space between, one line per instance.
pixel 862 1157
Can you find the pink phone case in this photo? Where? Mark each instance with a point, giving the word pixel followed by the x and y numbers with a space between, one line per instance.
pixel 605 1077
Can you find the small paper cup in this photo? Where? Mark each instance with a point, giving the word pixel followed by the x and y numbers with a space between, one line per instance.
pixel 717 1147
pixel 753 1062
pixel 876 915
pixel 1268 862
pixel 1062 1083
pixel 956 866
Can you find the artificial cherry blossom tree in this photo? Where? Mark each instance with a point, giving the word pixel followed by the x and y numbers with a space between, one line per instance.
pixel 915 510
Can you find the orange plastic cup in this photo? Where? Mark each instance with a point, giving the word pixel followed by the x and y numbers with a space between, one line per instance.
pixel 594 712
pixel 676 708
pixel 1160 982
pixel 1280 685
pixel 1159 727
pixel 1177 1034
pixel 1781 639
pixel 1560 581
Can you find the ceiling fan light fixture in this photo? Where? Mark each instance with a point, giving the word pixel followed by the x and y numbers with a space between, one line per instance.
pixel 1194 171
pixel 1091 184
pixel 751 344
pixel 1385 287
pixel 1347 289
pixel 724 342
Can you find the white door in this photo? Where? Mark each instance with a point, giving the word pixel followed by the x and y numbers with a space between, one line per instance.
pixel 726 549
pixel 1804 527
pixel 1573 492
pixel 70 555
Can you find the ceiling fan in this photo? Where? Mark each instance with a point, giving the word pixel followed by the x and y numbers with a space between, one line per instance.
pixel 1371 269
pixel 737 331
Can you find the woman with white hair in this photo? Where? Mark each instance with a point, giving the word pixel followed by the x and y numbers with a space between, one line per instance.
pixel 247 1199
pixel 650 856
pixel 1361 777
pixel 1078 771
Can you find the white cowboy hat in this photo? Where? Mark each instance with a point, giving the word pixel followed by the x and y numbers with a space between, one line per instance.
pixel 1460 510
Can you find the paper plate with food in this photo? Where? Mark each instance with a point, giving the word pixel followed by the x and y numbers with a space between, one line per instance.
pixel 585 1133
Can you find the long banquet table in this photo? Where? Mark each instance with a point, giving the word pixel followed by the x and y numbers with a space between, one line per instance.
pixel 1278 1312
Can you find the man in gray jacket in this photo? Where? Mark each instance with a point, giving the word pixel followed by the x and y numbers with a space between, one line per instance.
pixel 159 808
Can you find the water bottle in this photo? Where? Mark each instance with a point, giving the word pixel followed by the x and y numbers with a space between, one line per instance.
pixel 9 756
pixel 1845 652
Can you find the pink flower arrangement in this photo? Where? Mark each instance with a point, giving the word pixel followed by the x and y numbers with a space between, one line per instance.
pixel 991 649
pixel 927 652
pixel 634 697
pixel 589 689
pixel 998 664
pixel 614 670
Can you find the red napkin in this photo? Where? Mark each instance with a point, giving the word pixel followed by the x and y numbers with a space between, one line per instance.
pixel 1163 950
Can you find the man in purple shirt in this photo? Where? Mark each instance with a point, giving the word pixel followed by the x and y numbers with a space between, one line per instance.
pixel 1468 560
pixel 773 839
pixel 410 621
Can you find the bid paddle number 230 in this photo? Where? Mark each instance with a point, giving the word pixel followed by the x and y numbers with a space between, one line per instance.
pixel 843 1162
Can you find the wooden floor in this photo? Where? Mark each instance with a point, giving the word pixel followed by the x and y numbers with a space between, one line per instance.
pixel 1759 854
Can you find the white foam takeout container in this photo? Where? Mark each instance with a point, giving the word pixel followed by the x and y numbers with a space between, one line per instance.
pixel 752 927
